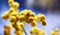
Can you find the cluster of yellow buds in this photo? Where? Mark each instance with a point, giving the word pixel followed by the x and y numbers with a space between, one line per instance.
pixel 12 14
pixel 7 29
pixel 56 32
pixel 41 18
pixel 27 16
pixel 24 16
pixel 31 18
pixel 36 31
pixel 18 28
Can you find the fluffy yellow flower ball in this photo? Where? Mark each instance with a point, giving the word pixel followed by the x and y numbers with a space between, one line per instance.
pixel 5 15
pixel 44 22
pixel 40 17
pixel 13 19
pixel 56 30
pixel 7 29
pixel 18 33
pixel 16 5
pixel 42 33
pixel 21 17
pixel 11 3
pixel 33 23
pixel 52 33
pixel 35 30
pixel 11 10
pixel 31 19
pixel 22 24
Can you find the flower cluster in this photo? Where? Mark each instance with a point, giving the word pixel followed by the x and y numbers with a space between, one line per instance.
pixel 56 32
pixel 15 17
pixel 36 31
pixel 7 29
